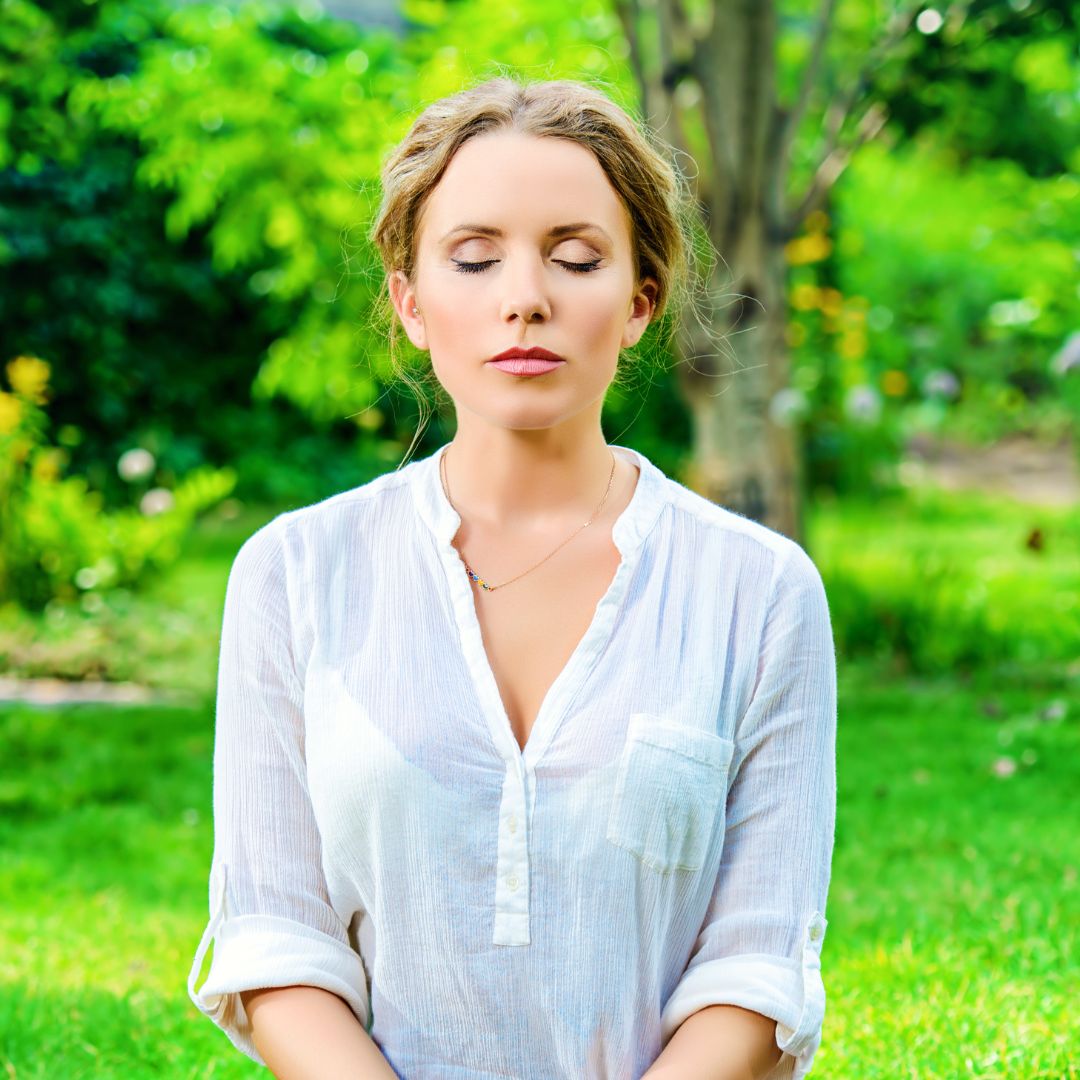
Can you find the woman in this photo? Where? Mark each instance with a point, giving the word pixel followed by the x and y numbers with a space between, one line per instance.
pixel 582 828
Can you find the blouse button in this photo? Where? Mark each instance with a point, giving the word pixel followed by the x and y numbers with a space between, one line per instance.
pixel 512 823
pixel 512 882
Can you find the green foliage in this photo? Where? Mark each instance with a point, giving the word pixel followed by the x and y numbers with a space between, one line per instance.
pixel 996 81
pixel 56 543
pixel 264 126
pixel 185 193
pixel 936 299
pixel 970 271
pixel 153 343
pixel 991 80
pixel 953 584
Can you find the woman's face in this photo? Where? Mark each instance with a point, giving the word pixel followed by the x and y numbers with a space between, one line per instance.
pixel 524 243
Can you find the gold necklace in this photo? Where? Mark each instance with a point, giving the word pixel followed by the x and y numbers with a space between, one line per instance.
pixel 473 576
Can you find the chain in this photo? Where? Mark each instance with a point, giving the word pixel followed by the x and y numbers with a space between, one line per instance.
pixel 476 577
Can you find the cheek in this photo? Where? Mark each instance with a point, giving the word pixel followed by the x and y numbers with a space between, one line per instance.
pixel 450 313
pixel 600 314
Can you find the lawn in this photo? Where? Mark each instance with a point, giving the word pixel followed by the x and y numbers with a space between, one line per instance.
pixel 953 946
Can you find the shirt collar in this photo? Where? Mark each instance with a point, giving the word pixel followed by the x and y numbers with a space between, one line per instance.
pixel 630 528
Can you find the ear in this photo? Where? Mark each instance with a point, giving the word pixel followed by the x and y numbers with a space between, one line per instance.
pixel 642 306
pixel 403 297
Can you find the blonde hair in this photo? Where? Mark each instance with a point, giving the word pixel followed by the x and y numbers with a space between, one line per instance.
pixel 633 158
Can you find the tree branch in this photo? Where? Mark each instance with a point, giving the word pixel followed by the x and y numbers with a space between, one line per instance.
pixel 834 157
pixel 794 116
pixel 676 50
pixel 709 63
pixel 828 172
pixel 629 12
pixel 758 96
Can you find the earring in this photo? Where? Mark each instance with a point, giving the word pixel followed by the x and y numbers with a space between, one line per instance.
pixel 416 311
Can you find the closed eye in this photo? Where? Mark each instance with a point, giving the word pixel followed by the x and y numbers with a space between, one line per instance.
pixel 580 268
pixel 478 267
pixel 472 267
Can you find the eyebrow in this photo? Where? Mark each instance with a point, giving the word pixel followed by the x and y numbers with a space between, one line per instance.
pixel 556 233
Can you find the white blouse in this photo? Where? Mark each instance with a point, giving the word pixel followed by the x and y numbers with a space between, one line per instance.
pixel 663 842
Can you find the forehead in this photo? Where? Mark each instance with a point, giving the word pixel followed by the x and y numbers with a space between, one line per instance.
pixel 516 182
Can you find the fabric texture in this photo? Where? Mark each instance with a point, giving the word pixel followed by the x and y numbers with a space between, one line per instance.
pixel 662 843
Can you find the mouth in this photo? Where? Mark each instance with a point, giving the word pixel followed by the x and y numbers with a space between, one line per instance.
pixel 534 361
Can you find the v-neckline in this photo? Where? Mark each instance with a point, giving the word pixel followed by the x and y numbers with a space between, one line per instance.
pixel 628 530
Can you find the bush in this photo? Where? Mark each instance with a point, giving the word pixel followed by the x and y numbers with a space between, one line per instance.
pixel 942 582
pixel 56 543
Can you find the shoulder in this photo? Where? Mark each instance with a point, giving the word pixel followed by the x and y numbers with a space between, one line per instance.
pixel 384 496
pixel 739 543
pixel 327 524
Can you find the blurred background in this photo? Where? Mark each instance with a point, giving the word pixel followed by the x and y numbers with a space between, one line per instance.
pixel 884 364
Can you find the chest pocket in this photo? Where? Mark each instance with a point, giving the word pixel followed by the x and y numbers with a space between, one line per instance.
pixel 670 792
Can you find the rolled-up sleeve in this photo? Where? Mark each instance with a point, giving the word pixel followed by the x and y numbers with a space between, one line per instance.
pixel 760 944
pixel 271 918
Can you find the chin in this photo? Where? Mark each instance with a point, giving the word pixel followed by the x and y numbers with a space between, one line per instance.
pixel 524 417
pixel 532 421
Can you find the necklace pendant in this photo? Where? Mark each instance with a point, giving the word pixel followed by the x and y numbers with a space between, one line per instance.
pixel 476 577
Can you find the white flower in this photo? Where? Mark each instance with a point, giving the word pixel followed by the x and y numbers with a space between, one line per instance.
pixel 1068 356
pixel 941 383
pixel 135 464
pixel 156 501
pixel 1056 710
pixel 787 405
pixel 1014 312
pixel 86 578
pixel 863 404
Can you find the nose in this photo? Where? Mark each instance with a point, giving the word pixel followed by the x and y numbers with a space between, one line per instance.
pixel 525 295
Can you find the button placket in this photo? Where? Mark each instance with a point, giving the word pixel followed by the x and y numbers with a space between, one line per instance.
pixel 512 869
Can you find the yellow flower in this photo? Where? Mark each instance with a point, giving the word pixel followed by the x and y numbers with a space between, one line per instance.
pixel 29 377
pixel 832 302
pixel 10 413
pixel 47 464
pixel 807 249
pixel 894 383
pixel 805 297
pixel 852 345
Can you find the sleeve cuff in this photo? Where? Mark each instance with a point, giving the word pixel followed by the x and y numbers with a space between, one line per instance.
pixel 255 951
pixel 791 992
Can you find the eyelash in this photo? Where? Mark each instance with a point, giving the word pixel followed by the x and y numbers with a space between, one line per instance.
pixel 479 267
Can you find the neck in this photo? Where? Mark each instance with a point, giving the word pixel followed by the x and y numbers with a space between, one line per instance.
pixel 529 480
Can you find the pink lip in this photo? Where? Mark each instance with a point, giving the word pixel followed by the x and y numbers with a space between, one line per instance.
pixel 534 361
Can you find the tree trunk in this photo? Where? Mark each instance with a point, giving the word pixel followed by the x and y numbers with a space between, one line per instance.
pixel 744 459
pixel 745 456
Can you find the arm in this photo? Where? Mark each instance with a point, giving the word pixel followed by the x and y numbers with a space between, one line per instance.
pixel 748 1039
pixel 272 920
pixel 760 943
pixel 304 1033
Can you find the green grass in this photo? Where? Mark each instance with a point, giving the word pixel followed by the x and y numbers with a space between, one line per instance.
pixel 953 947
pixel 938 582
pixel 106 839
